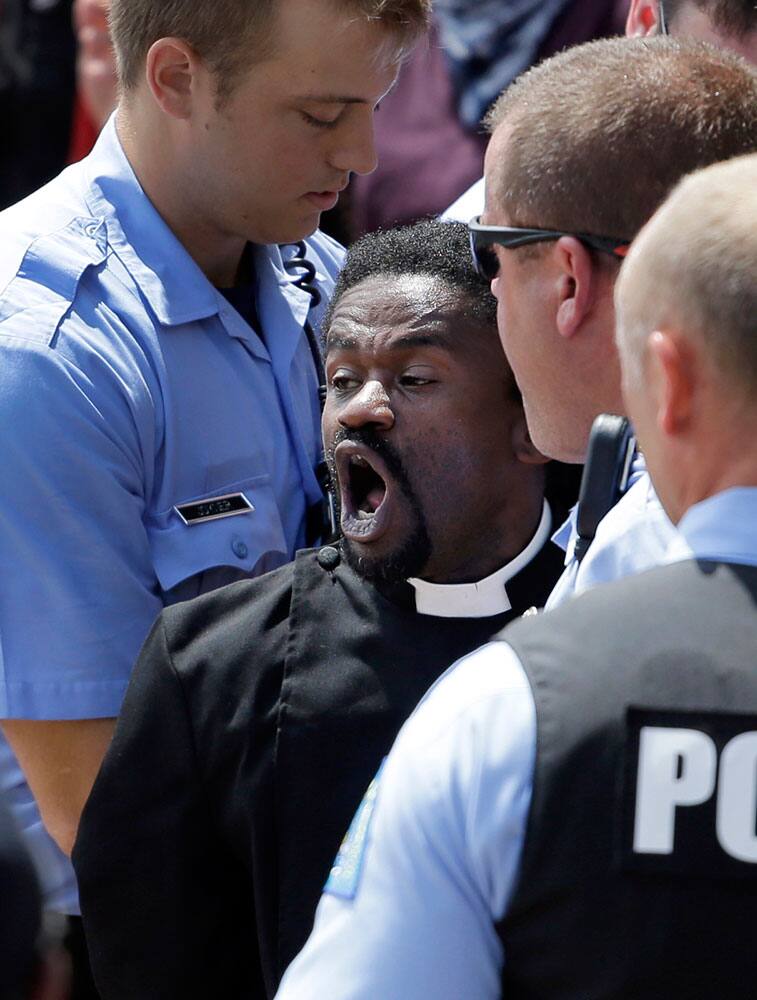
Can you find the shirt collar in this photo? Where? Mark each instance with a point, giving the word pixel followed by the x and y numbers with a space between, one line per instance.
pixel 722 528
pixel 485 598
pixel 567 534
pixel 171 281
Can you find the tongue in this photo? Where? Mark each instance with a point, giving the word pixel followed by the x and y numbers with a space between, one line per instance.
pixel 374 498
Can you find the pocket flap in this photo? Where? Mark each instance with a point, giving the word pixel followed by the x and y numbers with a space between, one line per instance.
pixel 181 551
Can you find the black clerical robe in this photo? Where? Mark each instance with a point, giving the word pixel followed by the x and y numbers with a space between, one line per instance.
pixel 255 719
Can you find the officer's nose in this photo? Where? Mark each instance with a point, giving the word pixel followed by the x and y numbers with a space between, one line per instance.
pixel 371 405
pixel 356 148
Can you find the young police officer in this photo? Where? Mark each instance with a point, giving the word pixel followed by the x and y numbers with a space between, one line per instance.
pixel 571 810
pixel 157 387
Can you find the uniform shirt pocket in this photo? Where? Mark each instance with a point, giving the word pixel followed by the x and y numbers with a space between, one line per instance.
pixel 190 559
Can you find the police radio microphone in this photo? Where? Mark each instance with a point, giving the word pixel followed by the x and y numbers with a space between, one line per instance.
pixel 322 518
pixel 605 478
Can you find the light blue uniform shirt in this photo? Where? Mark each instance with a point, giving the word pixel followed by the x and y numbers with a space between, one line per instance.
pixel 128 385
pixel 434 867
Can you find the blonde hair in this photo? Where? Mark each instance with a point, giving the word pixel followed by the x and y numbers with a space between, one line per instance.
pixel 231 34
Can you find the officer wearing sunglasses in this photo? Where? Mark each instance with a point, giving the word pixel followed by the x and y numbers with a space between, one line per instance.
pixel 483 238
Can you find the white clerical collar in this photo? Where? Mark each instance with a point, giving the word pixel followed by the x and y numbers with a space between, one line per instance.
pixel 485 598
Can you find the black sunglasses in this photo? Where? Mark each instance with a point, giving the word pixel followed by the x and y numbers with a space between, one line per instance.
pixel 485 259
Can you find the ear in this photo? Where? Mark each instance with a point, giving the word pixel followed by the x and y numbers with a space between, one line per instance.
pixel 577 281
pixel 523 447
pixel 672 369
pixel 643 19
pixel 171 67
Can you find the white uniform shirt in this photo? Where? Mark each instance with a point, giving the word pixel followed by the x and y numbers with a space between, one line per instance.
pixel 632 537
pixel 467 206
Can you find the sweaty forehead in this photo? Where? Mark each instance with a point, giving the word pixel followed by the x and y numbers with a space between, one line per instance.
pixel 410 306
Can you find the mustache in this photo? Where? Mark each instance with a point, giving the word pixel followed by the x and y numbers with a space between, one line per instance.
pixel 372 440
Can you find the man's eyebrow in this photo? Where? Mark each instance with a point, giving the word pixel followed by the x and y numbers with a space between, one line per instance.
pixel 340 98
pixel 441 338
pixel 341 343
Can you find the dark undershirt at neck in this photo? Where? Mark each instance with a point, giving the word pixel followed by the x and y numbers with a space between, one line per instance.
pixel 242 295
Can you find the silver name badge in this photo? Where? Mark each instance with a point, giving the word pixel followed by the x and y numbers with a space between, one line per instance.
pixel 213 508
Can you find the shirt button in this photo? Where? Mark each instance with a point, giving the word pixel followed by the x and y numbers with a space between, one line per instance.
pixel 328 557
pixel 239 548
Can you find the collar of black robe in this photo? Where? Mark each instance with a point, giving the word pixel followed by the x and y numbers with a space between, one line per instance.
pixel 483 599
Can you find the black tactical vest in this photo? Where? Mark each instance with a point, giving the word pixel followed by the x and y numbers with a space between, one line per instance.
pixel 639 873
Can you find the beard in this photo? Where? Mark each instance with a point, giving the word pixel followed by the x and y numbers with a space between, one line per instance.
pixel 411 553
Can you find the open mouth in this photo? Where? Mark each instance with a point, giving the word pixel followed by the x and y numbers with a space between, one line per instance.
pixel 365 487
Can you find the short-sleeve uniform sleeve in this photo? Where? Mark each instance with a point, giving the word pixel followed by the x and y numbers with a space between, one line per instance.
pixel 79 592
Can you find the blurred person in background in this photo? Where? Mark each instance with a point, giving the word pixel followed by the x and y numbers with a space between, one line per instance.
pixel 37 55
pixel 32 964
pixel 96 75
pixel 430 141
pixel 729 24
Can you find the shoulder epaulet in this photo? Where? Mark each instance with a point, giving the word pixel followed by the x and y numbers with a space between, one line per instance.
pixel 45 284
